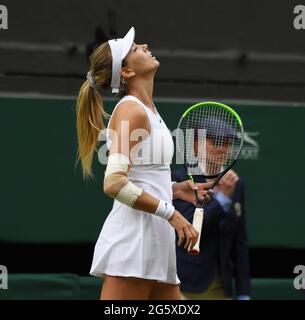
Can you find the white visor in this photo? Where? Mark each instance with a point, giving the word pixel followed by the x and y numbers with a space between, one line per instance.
pixel 119 50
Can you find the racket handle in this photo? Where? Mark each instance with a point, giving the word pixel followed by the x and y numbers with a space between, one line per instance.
pixel 197 224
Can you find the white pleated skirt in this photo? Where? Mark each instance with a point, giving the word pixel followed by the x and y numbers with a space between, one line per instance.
pixel 133 243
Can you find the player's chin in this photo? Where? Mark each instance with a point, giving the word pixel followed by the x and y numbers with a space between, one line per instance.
pixel 154 61
pixel 152 65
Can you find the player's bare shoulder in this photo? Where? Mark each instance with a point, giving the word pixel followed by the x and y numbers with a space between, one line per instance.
pixel 133 113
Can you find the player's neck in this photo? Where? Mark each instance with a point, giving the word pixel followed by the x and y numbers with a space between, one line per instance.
pixel 143 90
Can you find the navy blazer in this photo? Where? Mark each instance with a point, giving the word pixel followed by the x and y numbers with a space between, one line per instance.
pixel 223 244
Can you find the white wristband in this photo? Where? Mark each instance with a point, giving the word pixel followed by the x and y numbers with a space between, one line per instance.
pixel 165 210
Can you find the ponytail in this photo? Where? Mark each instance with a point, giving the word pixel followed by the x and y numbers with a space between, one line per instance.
pixel 89 122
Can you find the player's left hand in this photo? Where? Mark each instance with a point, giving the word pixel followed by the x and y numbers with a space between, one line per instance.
pixel 185 191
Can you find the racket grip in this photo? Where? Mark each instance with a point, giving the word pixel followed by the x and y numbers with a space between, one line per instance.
pixel 197 224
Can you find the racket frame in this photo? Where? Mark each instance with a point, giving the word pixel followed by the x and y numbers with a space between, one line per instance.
pixel 200 204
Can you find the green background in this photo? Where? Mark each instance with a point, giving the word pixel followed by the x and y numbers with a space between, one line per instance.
pixel 73 287
pixel 45 200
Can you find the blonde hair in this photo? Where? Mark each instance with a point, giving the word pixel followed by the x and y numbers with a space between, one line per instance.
pixel 90 109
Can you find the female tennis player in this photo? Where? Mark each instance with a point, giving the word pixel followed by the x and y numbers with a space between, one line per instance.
pixel 135 252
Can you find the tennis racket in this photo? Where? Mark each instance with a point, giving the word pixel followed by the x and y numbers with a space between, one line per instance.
pixel 209 139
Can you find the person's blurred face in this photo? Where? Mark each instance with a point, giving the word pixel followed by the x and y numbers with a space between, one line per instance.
pixel 216 151
pixel 140 60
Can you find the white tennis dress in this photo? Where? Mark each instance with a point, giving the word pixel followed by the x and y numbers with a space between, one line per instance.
pixel 134 243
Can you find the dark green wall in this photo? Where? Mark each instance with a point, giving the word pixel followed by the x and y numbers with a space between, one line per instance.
pixel 44 199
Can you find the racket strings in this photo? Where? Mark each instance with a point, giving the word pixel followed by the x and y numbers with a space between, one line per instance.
pixel 210 139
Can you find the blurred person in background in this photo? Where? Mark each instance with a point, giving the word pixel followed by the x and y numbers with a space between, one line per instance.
pixel 223 245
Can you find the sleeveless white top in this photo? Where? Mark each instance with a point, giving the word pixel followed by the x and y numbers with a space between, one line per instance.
pixel 135 243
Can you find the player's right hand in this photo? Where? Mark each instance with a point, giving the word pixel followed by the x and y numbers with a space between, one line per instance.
pixel 187 234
